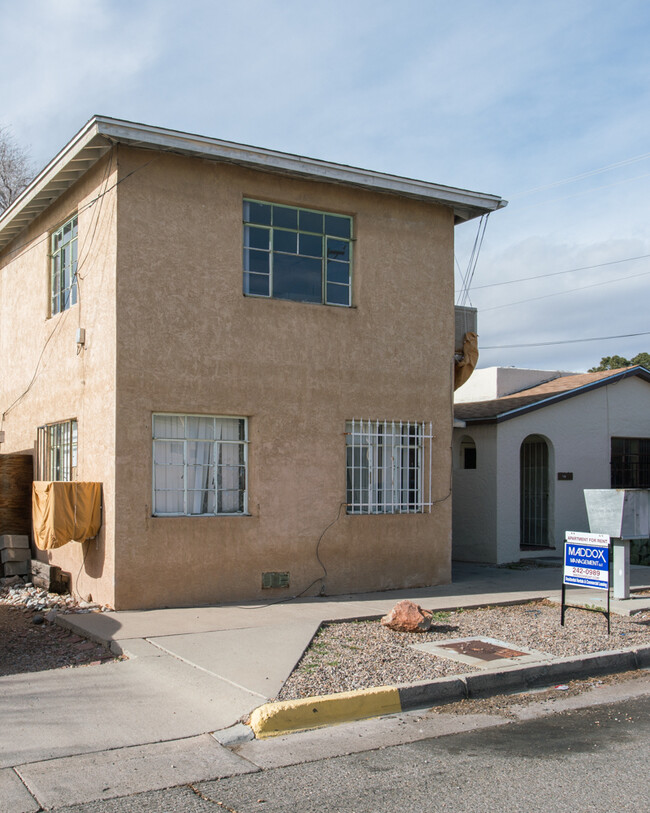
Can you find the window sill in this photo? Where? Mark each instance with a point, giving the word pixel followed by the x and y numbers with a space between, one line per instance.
pixel 198 516
pixel 300 302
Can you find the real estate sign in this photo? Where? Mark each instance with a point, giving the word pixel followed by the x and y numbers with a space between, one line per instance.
pixel 586 560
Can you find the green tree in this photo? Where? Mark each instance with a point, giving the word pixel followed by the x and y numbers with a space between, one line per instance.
pixel 642 359
pixel 615 362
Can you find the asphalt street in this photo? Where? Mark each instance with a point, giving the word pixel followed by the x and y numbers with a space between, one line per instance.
pixel 584 761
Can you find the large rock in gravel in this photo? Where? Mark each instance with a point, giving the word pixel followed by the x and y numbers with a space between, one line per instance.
pixel 407 616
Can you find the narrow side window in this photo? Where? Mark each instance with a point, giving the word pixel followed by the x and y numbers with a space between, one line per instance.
pixel 467 453
pixel 63 268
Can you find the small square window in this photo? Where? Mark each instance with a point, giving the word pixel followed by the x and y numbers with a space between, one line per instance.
pixel 630 462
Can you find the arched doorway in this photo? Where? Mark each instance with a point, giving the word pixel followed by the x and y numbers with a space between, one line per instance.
pixel 467 453
pixel 533 492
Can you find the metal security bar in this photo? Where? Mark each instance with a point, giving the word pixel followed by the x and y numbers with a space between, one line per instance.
pixel 534 492
pixel 630 463
pixel 388 467
pixel 56 451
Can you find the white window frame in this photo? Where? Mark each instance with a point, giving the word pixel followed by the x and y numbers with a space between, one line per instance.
pixel 388 467
pixel 326 258
pixel 187 439
pixel 56 458
pixel 63 267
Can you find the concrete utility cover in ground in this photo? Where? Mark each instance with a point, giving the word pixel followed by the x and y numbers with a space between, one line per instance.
pixel 483 653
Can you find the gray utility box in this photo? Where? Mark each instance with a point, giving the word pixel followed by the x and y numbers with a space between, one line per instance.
pixel 465 322
pixel 623 513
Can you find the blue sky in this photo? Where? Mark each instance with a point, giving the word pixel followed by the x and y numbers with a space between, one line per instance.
pixel 546 104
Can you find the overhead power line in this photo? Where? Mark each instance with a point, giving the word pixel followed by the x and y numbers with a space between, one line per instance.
pixel 558 273
pixel 468 277
pixel 582 176
pixel 564 341
pixel 568 291
pixel 588 191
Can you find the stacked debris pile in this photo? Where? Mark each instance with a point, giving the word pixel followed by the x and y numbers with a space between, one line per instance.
pixel 16 592
pixel 15 555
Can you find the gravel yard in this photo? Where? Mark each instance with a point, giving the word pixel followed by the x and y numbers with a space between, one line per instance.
pixel 26 646
pixel 359 655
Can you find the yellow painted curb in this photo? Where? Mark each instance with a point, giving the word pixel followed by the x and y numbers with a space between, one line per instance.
pixel 273 719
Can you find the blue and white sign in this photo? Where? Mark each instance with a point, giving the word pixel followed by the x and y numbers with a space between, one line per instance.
pixel 586 560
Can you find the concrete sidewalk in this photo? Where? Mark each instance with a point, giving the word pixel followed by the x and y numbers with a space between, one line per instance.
pixel 197 670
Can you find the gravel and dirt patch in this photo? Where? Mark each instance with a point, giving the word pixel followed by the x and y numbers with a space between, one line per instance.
pixel 29 642
pixel 360 655
pixel 505 705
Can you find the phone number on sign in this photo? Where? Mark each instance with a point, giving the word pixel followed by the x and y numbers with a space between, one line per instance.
pixel 582 571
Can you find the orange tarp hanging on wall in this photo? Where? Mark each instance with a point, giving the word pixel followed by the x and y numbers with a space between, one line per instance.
pixel 65 512
pixel 464 367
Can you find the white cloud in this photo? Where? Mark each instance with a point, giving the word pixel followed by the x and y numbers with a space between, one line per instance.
pixel 67 58
pixel 499 97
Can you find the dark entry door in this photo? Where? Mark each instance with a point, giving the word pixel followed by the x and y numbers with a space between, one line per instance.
pixel 534 492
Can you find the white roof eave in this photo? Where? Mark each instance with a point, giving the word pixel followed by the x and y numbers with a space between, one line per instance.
pixel 100 133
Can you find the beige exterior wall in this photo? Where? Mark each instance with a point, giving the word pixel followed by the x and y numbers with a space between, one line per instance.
pixel 189 341
pixel 66 384
pixel 168 329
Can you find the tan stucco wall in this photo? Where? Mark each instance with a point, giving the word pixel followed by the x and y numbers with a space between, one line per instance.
pixel 188 341
pixel 66 385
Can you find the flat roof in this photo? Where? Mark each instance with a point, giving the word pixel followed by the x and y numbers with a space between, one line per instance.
pixel 100 133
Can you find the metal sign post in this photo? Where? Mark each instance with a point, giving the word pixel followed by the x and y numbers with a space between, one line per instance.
pixel 586 564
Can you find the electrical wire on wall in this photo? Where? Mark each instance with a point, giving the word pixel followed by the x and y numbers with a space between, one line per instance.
pixel 29 245
pixel 321 579
pixel 66 310
pixel 81 264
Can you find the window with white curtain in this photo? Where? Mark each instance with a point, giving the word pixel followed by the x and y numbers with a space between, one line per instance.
pixel 199 465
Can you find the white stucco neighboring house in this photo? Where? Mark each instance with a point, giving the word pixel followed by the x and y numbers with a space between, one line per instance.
pixel 523 459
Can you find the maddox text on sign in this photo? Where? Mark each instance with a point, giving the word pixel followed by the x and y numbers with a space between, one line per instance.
pixel 586 560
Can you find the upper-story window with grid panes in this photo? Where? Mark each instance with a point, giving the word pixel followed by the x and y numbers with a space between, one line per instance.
pixel 63 280
pixel 298 254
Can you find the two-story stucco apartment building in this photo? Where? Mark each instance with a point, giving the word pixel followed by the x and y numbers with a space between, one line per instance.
pixel 251 351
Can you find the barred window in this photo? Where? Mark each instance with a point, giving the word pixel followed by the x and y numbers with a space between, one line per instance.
pixel 298 254
pixel 199 465
pixel 56 457
pixel 63 281
pixel 388 467
pixel 630 463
